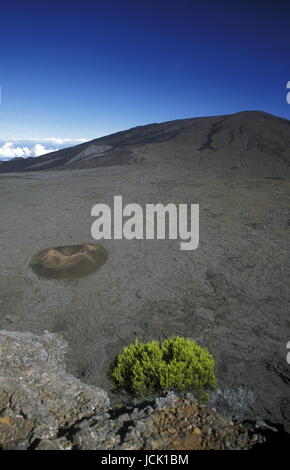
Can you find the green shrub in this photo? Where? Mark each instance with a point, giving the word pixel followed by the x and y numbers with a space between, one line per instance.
pixel 175 364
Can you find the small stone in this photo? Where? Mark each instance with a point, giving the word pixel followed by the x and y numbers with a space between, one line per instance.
pixel 11 318
pixel 197 431
pixel 46 444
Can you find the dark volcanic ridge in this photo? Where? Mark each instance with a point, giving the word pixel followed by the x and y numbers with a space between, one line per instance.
pixel 233 139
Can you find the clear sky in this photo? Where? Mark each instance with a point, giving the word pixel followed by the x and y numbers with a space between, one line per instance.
pixel 81 69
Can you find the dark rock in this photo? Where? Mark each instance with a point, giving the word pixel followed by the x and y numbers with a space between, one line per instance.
pixel 37 397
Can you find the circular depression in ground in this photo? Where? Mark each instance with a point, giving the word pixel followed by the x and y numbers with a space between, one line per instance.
pixel 69 262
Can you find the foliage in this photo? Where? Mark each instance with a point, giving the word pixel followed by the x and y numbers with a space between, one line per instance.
pixel 175 364
pixel 232 403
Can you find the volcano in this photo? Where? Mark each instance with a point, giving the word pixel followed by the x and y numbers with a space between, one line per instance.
pixel 251 142
pixel 230 295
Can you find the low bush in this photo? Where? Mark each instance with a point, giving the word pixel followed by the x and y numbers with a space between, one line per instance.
pixel 232 403
pixel 175 364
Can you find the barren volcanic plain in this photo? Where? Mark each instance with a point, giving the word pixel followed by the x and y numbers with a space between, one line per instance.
pixel 230 295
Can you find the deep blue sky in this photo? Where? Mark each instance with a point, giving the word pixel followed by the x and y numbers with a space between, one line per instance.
pixel 86 68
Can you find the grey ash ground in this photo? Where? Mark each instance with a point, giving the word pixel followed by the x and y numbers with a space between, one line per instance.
pixel 230 295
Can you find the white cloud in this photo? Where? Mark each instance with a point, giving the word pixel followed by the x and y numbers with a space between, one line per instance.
pixel 39 149
pixel 9 150
pixel 34 147
pixel 56 140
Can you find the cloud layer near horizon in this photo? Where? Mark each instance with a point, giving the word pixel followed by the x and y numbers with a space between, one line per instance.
pixel 34 147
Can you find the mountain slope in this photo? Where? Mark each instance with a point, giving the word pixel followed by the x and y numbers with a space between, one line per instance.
pixel 250 139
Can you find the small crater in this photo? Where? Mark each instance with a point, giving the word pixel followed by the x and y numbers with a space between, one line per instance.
pixel 69 262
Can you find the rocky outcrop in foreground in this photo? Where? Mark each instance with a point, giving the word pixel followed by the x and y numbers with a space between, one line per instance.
pixel 43 407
